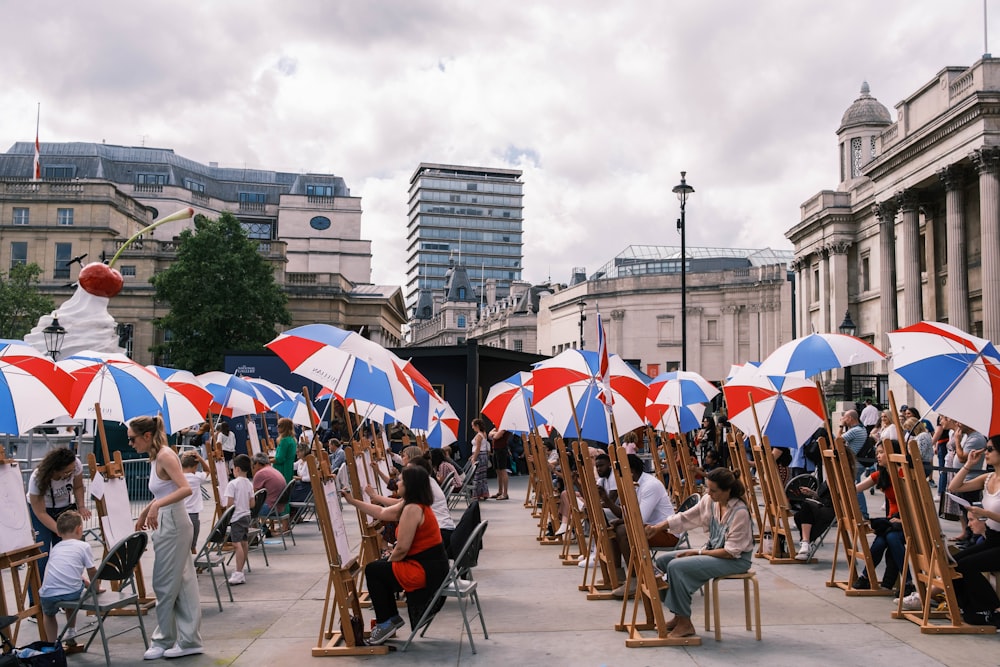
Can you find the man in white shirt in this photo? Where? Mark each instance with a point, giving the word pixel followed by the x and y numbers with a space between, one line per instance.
pixel 870 415
pixel 654 508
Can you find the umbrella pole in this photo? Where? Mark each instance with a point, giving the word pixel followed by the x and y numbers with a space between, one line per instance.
pixel 576 420
pixel 315 444
pixel 756 419
pixel 826 424
pixel 104 436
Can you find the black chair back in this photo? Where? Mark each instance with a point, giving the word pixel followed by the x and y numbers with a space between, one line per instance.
pixel 123 557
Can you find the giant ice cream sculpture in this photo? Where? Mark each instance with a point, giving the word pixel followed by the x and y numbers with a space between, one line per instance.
pixel 85 315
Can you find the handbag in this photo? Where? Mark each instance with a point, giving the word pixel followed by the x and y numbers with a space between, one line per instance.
pixel 42 654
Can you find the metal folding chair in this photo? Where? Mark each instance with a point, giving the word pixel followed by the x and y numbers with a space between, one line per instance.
pixel 210 556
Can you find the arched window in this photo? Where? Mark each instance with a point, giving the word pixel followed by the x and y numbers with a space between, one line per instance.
pixel 461 294
pixel 461 321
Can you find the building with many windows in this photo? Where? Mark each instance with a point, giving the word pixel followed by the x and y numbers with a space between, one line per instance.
pixel 470 216
pixel 92 197
pixel 912 230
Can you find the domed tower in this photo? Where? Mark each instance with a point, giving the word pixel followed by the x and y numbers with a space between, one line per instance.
pixel 859 128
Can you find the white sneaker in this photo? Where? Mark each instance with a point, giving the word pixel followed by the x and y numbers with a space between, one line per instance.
pixel 69 636
pixel 237 578
pixel 911 602
pixel 178 652
pixel 587 562
pixel 154 652
pixel 803 553
pixel 562 529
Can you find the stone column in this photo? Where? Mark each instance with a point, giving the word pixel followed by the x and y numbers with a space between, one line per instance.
pixel 695 334
pixel 958 266
pixel 730 337
pixel 823 325
pixel 838 284
pixel 886 214
pixel 753 332
pixel 909 205
pixel 803 296
pixel 987 161
pixel 616 342
pixel 932 212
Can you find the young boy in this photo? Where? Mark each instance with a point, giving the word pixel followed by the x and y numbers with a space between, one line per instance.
pixel 239 494
pixel 194 503
pixel 64 573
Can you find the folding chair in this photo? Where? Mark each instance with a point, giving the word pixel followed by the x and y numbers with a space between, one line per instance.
pixel 302 510
pixel 210 556
pixel 274 519
pixel 464 490
pixel 458 584
pixel 119 567
pixel 448 483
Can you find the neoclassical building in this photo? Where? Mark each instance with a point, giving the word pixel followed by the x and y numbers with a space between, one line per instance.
pixel 739 307
pixel 912 231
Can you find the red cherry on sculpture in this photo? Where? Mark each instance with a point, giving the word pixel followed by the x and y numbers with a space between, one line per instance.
pixel 101 280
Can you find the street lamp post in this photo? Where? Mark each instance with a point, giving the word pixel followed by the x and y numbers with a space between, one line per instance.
pixel 582 305
pixel 848 328
pixel 683 191
pixel 54 335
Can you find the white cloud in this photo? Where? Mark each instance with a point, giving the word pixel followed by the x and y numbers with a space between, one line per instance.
pixel 601 104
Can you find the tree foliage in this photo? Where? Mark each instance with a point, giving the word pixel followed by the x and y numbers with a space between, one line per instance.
pixel 222 296
pixel 21 304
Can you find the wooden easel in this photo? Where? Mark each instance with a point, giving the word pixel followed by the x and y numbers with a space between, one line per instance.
pixel 777 513
pixel 538 467
pixel 114 469
pixel 214 456
pixel 529 458
pixel 678 468
pixel 640 567
pixel 738 461
pixel 370 549
pixel 654 452
pixel 926 549
pixel 342 599
pixel 601 534
pixel 546 493
pixel 575 532
pixel 22 581
pixel 852 529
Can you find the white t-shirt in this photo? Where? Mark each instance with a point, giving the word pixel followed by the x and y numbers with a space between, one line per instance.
pixel 60 493
pixel 870 416
pixel 654 501
pixel 301 469
pixel 607 483
pixel 68 560
pixel 240 489
pixel 228 441
pixel 440 508
pixel 194 503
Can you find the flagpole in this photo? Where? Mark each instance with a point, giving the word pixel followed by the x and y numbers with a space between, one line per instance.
pixel 36 169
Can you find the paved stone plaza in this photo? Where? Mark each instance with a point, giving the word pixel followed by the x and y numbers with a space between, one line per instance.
pixel 536 616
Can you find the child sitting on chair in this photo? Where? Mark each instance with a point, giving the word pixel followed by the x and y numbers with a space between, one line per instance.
pixel 239 493
pixel 194 503
pixel 64 573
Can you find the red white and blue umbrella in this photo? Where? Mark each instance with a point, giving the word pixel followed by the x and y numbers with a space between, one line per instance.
pixel 232 396
pixel 298 410
pixel 123 388
pixel 269 393
pixel 956 373
pixel 681 388
pixel 346 362
pixel 789 409
pixel 579 372
pixel 819 352
pixel 508 404
pixel 33 389
pixel 186 401
pixel 444 428
pixel 664 417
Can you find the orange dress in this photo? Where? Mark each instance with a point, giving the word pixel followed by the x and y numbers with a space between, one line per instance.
pixel 410 572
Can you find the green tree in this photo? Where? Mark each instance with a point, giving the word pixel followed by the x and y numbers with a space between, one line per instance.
pixel 222 296
pixel 21 304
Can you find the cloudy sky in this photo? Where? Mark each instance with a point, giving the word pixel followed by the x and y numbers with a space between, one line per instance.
pixel 601 104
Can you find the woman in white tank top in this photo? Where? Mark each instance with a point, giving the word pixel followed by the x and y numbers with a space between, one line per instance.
pixel 976 596
pixel 178 606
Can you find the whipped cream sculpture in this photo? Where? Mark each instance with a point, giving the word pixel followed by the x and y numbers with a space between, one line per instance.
pixel 85 316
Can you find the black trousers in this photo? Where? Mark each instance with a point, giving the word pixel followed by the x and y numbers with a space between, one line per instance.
pixel 382 589
pixel 973 590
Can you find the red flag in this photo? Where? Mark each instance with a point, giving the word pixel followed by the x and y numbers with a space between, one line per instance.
pixel 37 173
pixel 604 367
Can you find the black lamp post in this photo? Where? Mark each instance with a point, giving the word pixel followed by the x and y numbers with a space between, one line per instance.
pixel 54 335
pixel 848 328
pixel 582 305
pixel 683 191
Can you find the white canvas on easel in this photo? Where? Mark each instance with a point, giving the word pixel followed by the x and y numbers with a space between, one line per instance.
pixel 222 474
pixel 118 523
pixel 332 494
pixel 253 440
pixel 15 526
pixel 365 480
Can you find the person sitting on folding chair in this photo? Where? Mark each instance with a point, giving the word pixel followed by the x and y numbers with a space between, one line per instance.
pixel 418 563
pixel 69 558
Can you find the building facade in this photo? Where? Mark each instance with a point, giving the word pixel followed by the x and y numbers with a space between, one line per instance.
pixel 92 197
pixel 912 231
pixel 472 216
pixel 739 305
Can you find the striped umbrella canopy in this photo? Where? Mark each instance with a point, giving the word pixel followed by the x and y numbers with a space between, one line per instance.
pixel 819 352
pixel 33 389
pixel 186 401
pixel 123 388
pixel 232 396
pixel 508 404
pixel 789 408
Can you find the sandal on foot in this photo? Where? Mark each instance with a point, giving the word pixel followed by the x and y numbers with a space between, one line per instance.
pixel 674 634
